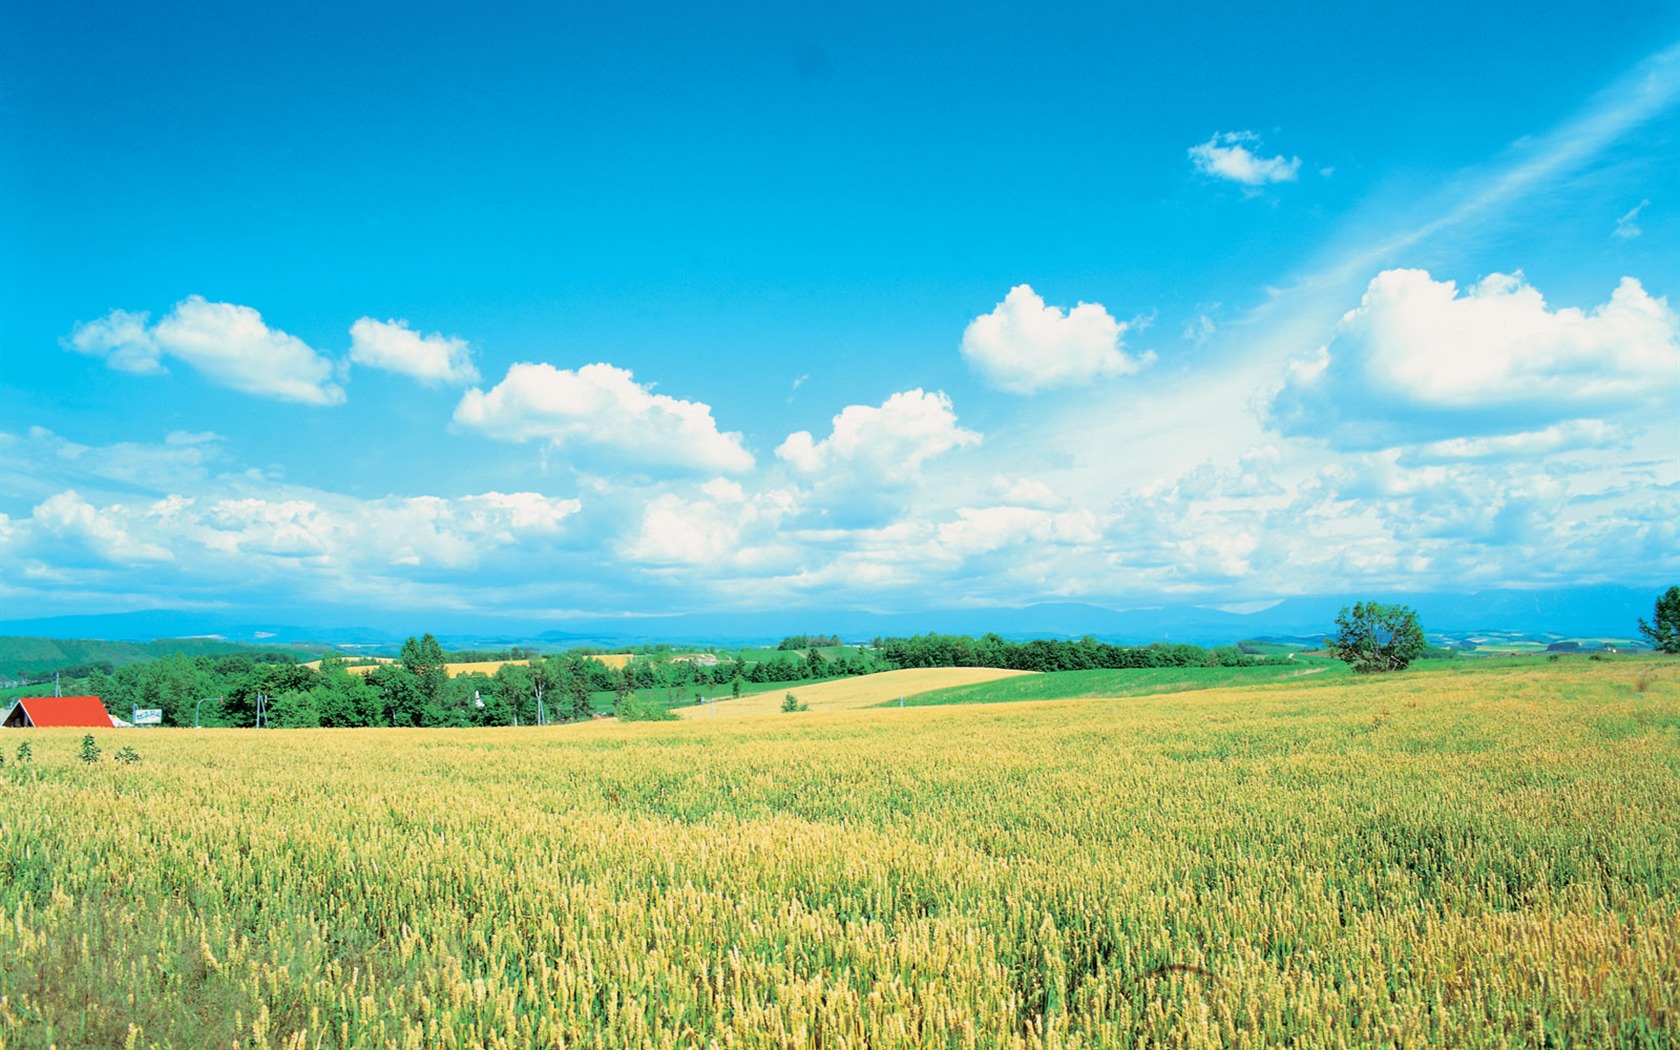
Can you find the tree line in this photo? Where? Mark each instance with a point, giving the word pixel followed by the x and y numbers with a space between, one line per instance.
pixel 1049 654
pixel 809 641
pixel 416 690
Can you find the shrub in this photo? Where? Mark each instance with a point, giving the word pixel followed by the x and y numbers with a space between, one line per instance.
pixel 127 756
pixel 790 703
pixel 90 750
pixel 632 708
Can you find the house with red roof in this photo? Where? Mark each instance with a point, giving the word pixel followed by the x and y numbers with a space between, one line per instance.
pixel 44 712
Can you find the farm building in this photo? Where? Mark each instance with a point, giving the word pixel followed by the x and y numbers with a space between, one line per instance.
pixel 42 712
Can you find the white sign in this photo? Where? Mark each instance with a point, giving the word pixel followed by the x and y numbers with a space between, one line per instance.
pixel 148 716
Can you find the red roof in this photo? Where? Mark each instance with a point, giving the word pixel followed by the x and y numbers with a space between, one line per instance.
pixel 47 711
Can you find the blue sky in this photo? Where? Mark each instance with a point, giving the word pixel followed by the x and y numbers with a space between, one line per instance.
pixel 550 309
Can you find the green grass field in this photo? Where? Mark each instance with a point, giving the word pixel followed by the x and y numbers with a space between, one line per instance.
pixel 1471 854
pixel 1073 685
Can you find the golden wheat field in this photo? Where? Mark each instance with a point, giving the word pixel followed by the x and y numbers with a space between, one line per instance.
pixel 1481 856
pixel 848 694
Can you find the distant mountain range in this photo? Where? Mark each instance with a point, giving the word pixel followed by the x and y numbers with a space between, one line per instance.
pixel 1576 612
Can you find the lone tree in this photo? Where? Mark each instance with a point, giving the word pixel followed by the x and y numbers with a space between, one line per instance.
pixel 1664 632
pixel 1372 637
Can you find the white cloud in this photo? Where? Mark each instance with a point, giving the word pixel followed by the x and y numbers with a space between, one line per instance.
pixel 1027 492
pixel 1568 436
pixel 888 444
pixel 299 537
pixel 1024 346
pixel 1627 226
pixel 122 339
pixel 108 534
pixel 985 529
pixel 723 530
pixel 39 462
pixel 1200 330
pixel 435 533
pixel 435 360
pixel 604 408
pixel 282 528
pixel 228 343
pixel 1418 362
pixel 1227 156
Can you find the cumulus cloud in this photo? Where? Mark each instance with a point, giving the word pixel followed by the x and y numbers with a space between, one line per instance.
pixel 1024 346
pixel 438 533
pixel 1227 156
pixel 1419 362
pixel 435 360
pixel 109 536
pixel 889 442
pixel 229 344
pixel 122 339
pixel 1027 492
pixel 298 535
pixel 603 408
pixel 720 526
pixel 978 530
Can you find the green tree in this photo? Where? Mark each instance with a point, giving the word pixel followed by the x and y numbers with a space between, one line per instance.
pixel 583 704
pixel 344 699
pixel 295 709
pixel 179 684
pixel 516 688
pixel 1372 637
pixel 544 678
pixel 421 654
pixel 400 694
pixel 427 662
pixel 1664 630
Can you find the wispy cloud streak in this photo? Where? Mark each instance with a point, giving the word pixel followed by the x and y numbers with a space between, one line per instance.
pixel 1649 90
